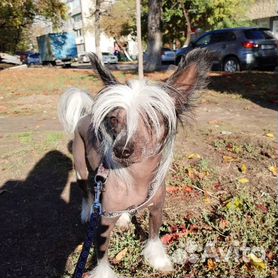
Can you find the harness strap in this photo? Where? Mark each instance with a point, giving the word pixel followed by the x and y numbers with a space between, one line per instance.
pixel 133 209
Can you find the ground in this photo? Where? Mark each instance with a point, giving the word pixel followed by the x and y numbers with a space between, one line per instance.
pixel 220 213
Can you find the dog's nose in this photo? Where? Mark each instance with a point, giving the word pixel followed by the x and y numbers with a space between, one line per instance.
pixel 121 151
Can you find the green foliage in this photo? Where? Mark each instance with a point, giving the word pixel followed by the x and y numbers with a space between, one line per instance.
pixel 207 15
pixel 120 19
pixel 16 16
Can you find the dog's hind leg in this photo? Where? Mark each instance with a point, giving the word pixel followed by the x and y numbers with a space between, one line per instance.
pixel 80 166
pixel 154 251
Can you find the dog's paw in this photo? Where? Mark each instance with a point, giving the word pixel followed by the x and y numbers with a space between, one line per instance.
pixel 124 220
pixel 102 270
pixel 156 256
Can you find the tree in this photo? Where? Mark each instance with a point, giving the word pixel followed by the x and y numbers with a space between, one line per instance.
pixel 139 40
pixel 119 22
pixel 18 15
pixel 207 15
pixel 97 27
pixel 154 35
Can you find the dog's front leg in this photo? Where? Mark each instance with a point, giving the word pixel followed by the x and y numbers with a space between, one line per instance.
pixel 154 251
pixel 80 166
pixel 103 268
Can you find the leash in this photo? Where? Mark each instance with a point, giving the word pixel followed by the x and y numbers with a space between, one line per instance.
pixel 94 223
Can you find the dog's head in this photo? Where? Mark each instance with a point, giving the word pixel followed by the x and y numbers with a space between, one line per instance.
pixel 137 120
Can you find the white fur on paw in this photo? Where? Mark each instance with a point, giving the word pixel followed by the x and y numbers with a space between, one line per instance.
pixel 124 220
pixel 103 270
pixel 85 212
pixel 155 254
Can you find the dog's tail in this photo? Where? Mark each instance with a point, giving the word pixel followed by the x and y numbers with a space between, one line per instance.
pixel 73 105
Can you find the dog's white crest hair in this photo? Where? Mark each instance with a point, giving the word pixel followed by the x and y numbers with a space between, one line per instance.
pixel 139 98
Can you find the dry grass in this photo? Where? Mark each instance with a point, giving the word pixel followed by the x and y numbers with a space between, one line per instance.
pixel 221 187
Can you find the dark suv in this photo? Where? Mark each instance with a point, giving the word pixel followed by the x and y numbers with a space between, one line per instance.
pixel 237 49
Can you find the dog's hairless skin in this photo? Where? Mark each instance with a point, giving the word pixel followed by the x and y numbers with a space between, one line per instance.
pixel 130 129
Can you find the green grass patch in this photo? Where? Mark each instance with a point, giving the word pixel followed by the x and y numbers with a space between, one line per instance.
pixel 25 137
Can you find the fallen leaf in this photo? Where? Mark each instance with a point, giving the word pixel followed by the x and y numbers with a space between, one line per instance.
pixel 257 262
pixel 191 173
pixel 218 186
pixel 169 238
pixel 194 156
pixel 121 255
pixel 273 170
pixel 223 224
pixel 243 168
pixel 172 189
pixel 188 189
pixel 214 122
pixel 211 264
pixel 270 135
pixel 243 180
pixel 236 203
pixel 270 256
pixel 228 159
pixel 225 132
pixel 207 200
pixel 262 207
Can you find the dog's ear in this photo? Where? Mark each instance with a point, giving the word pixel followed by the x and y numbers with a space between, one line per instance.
pixel 106 76
pixel 190 77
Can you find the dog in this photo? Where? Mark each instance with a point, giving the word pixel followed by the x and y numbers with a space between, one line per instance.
pixel 130 130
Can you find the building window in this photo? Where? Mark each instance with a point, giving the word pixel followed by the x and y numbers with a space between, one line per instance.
pixel 78 33
pixel 81 48
pixel 77 17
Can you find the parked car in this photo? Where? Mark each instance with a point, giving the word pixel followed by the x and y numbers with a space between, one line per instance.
pixel 33 59
pixel 109 58
pixel 237 49
pixel 83 58
pixel 167 55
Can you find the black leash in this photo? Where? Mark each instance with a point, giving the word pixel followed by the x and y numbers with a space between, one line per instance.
pixel 95 217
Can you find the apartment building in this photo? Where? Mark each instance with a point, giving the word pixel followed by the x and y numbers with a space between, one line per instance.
pixel 264 13
pixel 81 23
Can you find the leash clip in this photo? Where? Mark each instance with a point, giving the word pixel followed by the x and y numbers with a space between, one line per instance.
pixel 98 189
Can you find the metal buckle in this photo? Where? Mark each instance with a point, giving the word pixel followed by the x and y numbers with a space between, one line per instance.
pixel 97 207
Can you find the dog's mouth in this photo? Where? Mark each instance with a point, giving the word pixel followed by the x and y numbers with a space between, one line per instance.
pixel 122 161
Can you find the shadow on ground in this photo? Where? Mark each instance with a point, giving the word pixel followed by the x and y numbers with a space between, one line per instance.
pixel 38 229
pixel 259 87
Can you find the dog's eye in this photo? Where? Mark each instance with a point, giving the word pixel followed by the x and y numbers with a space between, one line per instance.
pixel 114 121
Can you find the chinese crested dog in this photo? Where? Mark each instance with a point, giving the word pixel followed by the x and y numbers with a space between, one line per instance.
pixel 130 130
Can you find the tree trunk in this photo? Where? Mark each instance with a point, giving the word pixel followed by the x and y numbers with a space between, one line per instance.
pixel 188 24
pixel 139 40
pixel 97 29
pixel 154 36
